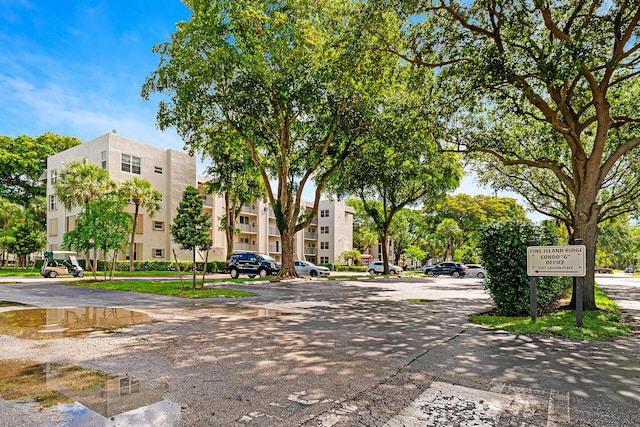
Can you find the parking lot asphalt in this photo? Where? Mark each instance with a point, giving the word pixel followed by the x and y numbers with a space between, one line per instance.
pixel 353 352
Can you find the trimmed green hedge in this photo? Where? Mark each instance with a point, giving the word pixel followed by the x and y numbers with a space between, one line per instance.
pixel 341 267
pixel 503 250
pixel 151 265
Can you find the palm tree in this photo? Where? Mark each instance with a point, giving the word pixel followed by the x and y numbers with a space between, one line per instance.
pixel 139 192
pixel 449 230
pixel 79 183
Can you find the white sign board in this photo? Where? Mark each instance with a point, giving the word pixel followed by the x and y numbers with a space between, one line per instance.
pixel 556 261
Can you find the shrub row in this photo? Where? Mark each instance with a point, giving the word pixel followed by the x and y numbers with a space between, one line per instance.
pixel 341 267
pixel 151 265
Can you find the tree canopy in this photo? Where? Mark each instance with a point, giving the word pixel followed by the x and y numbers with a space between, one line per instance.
pixel 23 160
pixel 291 78
pixel 549 91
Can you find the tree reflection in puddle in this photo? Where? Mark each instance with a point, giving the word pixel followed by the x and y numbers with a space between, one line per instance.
pixel 46 323
pixel 71 395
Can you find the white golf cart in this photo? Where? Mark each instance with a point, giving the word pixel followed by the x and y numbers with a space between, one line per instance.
pixel 67 263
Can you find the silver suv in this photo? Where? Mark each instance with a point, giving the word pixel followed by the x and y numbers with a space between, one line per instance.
pixel 378 267
pixel 251 264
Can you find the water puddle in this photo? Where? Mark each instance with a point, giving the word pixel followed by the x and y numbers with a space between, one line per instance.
pixel 47 323
pixel 56 394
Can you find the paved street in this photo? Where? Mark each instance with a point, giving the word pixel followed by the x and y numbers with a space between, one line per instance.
pixel 344 353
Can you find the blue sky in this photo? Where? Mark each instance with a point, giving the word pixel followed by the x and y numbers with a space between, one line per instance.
pixel 77 67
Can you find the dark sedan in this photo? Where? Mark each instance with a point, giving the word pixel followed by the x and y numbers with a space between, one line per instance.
pixel 453 269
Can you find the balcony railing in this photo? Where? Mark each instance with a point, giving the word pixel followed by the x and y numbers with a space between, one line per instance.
pixel 310 235
pixel 249 209
pixel 245 247
pixel 310 251
pixel 275 249
pixel 273 231
pixel 208 201
pixel 248 228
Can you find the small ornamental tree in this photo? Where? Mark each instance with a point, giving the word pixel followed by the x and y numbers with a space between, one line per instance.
pixel 190 228
pixel 102 225
pixel 27 238
pixel 503 250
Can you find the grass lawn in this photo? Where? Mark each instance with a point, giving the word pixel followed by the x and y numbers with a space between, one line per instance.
pixel 10 271
pixel 171 288
pixel 596 325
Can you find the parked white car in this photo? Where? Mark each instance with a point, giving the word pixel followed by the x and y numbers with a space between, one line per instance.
pixel 377 267
pixel 475 270
pixel 306 268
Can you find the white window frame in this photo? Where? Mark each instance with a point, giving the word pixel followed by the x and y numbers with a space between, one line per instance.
pixel 131 164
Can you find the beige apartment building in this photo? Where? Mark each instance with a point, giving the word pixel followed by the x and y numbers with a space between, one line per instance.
pixel 170 172
pixel 330 234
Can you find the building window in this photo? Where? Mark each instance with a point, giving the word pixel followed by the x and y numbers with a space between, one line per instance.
pixel 324 245
pixel 70 222
pixel 324 213
pixel 244 219
pixel 131 164
pixel 324 229
pixel 139 226
pixel 53 202
pixel 158 225
pixel 158 170
pixel 54 176
pixel 158 253
pixel 103 161
pixel 324 260
pixel 53 227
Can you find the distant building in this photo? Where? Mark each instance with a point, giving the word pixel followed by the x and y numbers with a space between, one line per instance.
pixel 170 172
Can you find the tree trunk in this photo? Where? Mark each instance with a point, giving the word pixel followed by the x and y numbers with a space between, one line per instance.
pixel 194 269
pixel 229 224
pixel 586 228
pixel 385 250
pixel 288 268
pixel 132 243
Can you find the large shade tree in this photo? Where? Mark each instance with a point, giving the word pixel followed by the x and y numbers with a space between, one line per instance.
pixel 290 77
pixel 553 96
pixel 401 164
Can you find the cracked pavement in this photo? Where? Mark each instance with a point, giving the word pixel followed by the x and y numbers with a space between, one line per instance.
pixel 342 353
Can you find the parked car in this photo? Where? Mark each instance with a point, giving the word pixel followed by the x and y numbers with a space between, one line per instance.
pixel 377 267
pixel 306 268
pixel 604 270
pixel 251 264
pixel 629 270
pixel 475 270
pixel 454 269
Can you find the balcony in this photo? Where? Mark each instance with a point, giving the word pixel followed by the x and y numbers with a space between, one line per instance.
pixel 247 228
pixel 274 249
pixel 310 251
pixel 244 247
pixel 273 231
pixel 207 201
pixel 310 235
pixel 249 209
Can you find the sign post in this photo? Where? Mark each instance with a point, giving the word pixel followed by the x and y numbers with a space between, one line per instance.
pixel 533 303
pixel 558 261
